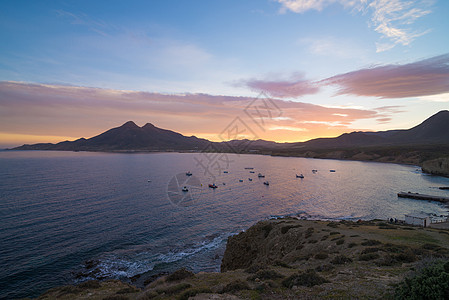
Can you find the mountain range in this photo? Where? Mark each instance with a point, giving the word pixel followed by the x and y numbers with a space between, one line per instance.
pixel 130 137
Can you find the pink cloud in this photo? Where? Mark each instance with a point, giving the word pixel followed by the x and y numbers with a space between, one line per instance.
pixel 37 109
pixel 421 78
pixel 293 88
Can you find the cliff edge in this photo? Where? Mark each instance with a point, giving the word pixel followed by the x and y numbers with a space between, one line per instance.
pixel 439 166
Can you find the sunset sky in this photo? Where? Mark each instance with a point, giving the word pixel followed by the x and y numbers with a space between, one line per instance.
pixel 71 69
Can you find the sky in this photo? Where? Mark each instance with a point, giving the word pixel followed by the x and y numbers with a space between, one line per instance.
pixel 282 70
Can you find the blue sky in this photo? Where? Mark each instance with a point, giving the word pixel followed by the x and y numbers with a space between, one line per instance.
pixel 217 48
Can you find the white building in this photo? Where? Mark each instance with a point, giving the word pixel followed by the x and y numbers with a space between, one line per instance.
pixel 417 219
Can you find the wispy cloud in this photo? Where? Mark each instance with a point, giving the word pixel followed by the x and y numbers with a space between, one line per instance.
pixel 422 78
pixel 392 19
pixel 294 87
pixel 37 109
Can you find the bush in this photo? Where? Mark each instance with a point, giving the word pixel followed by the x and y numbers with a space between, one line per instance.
pixel 340 260
pixel 174 289
pixel 371 243
pixel 285 229
pixel 193 292
pixel 308 278
pixel 430 283
pixel 340 242
pixel 321 255
pixel 266 274
pixel 255 268
pixel 324 268
pixel 369 256
pixel 236 285
pixel 407 256
pixel 370 250
pixel 351 245
pixel 179 275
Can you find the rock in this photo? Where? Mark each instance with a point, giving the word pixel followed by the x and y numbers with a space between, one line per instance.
pixel 439 166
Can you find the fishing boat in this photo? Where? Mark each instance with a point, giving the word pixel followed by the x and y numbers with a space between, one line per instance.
pixel 266 183
pixel 250 179
pixel 314 171
pixel 188 174
pixel 240 180
pixel 213 186
pixel 249 168
pixel 299 176
pixel 252 172
pixel 332 171
pixel 260 175
pixel 226 172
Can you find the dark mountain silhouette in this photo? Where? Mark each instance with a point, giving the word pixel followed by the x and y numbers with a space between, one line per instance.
pixel 130 137
pixel 434 130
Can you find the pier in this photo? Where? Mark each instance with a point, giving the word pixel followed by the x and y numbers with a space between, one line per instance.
pixel 423 197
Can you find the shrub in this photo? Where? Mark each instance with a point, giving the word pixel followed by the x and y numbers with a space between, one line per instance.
pixel 255 268
pixel 340 242
pixel 407 256
pixel 334 233
pixel 115 297
pixel 430 283
pixel 308 278
pixel 266 274
pixel 321 255
pixel 369 256
pixel 128 290
pixel 351 245
pixel 324 268
pixel 236 285
pixel 193 292
pixel 285 229
pixel 370 250
pixel 280 263
pixel 340 260
pixel 371 243
pixel 174 289
pixel 180 274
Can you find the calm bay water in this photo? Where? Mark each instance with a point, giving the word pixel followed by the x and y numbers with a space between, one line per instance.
pixel 60 210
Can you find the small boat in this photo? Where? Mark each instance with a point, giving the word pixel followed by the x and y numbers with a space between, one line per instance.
pixel 185 189
pixel 188 174
pixel 332 171
pixel 226 172
pixel 266 183
pixel 249 168
pixel 299 176
pixel 250 179
pixel 314 171
pixel 260 175
pixel 252 172
pixel 213 186
pixel 149 180
pixel 240 180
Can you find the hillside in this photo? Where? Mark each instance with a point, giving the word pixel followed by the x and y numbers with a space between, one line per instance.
pixel 293 259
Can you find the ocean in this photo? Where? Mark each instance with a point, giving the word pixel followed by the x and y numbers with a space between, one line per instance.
pixel 67 217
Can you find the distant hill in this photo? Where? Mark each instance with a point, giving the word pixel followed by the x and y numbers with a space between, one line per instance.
pixel 434 130
pixel 130 137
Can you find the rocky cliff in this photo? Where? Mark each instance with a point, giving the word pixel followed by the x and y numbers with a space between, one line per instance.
pixel 293 259
pixel 439 166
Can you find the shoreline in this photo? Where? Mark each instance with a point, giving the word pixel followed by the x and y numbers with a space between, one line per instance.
pixel 345 259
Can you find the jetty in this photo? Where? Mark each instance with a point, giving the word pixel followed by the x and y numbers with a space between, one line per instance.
pixel 419 196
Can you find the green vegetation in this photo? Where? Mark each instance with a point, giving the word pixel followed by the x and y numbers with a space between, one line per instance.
pixel 309 278
pixel 431 282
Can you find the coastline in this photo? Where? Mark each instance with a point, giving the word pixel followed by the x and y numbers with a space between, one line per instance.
pixel 291 258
